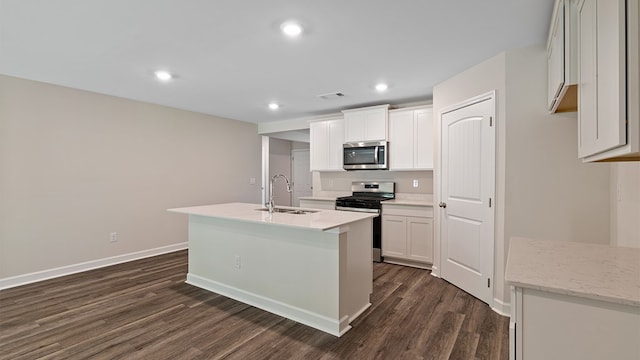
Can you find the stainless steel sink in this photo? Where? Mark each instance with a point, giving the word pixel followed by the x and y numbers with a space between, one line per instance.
pixel 302 212
pixel 289 211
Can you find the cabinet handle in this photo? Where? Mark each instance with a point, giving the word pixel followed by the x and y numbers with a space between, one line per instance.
pixel 442 204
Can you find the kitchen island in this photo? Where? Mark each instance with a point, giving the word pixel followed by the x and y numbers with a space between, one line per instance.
pixel 314 268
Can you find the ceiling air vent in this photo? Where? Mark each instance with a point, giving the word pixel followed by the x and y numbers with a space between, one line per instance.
pixel 331 96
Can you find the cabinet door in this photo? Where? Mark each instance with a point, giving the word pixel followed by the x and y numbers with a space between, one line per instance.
pixel 318 140
pixel 423 158
pixel 366 124
pixel 335 129
pixel 420 239
pixel 394 235
pixel 558 326
pixel 354 126
pixel 375 125
pixel 555 60
pixel 401 140
pixel 602 62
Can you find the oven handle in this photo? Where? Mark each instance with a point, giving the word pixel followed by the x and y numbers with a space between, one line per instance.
pixel 372 211
pixel 375 156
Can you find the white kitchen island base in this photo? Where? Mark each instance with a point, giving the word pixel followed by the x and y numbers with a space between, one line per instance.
pixel 319 277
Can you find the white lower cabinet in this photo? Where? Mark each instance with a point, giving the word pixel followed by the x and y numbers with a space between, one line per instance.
pixel 407 235
pixel 550 326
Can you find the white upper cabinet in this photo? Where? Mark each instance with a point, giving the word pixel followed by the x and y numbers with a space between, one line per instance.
pixel 366 124
pixel 608 107
pixel 411 139
pixel 562 58
pixel 326 138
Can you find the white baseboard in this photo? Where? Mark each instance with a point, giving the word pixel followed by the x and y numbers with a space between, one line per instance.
pixel 501 307
pixel 335 327
pixel 89 265
pixel 435 271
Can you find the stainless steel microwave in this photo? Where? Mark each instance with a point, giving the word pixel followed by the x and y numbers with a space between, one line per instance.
pixel 365 155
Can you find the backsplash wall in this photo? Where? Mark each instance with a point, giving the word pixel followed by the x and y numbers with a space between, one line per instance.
pixel 329 183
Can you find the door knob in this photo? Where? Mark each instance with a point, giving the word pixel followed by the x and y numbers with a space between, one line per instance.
pixel 442 204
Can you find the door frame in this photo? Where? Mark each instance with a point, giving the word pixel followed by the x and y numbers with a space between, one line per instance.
pixel 436 270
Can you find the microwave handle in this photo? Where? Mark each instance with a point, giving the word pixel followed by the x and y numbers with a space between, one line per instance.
pixel 375 156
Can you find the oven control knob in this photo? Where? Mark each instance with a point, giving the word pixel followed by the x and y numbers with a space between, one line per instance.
pixel 442 204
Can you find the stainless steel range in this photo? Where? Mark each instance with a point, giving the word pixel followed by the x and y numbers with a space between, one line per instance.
pixel 367 196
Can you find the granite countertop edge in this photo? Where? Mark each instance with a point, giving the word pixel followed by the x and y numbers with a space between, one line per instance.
pixel 592 271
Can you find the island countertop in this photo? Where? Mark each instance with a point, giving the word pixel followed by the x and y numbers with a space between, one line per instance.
pixel 320 220
pixel 598 272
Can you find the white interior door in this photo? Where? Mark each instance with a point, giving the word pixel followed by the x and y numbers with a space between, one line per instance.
pixel 467 191
pixel 301 175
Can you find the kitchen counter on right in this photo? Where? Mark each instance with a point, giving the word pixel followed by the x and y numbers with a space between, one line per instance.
pixel 594 271
pixel 411 199
pixel 573 300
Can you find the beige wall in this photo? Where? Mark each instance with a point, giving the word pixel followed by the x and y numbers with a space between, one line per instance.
pixel 280 163
pixel 545 178
pixel 76 166
pixel 625 204
pixel 542 189
pixel 296 145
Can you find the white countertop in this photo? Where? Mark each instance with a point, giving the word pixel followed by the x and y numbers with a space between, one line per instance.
pixel 320 220
pixel 592 271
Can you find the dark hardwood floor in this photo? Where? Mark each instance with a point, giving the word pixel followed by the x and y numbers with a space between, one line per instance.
pixel 144 310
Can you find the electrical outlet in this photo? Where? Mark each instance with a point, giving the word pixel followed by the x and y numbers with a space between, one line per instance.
pixel 415 182
pixel 238 262
pixel 113 237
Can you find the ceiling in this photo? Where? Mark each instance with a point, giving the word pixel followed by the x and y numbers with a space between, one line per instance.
pixel 231 59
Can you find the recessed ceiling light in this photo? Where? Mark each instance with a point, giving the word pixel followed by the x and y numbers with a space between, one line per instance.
pixel 381 87
pixel 274 106
pixel 163 75
pixel 291 28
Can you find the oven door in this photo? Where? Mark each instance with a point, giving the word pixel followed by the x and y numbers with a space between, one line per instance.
pixel 365 155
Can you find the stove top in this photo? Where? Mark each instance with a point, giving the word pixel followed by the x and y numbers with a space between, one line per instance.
pixel 364 198
pixel 367 195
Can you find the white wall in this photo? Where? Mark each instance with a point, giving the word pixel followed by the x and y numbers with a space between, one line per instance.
pixel 76 166
pixel 543 191
pixel 625 204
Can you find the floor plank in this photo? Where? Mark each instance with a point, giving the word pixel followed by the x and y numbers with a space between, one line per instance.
pixel 144 310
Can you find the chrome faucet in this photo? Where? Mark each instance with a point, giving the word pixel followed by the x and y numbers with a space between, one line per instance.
pixel 269 205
